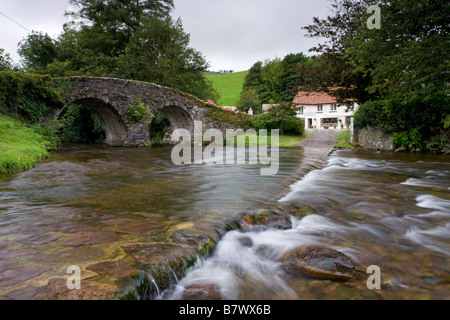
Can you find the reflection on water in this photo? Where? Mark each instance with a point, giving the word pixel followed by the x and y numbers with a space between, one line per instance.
pixel 389 210
pixel 145 179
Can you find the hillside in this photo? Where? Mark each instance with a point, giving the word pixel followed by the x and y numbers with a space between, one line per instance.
pixel 229 85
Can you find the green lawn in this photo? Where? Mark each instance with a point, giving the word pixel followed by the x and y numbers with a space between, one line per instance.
pixel 21 148
pixel 229 86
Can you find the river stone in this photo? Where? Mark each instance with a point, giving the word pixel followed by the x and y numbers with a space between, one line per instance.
pixel 246 241
pixel 113 268
pixel 143 229
pixel 189 237
pixel 73 255
pixel 57 290
pixel 263 219
pixel 204 291
pixel 91 238
pixel 39 239
pixel 154 253
pixel 72 228
pixel 318 262
pixel 27 293
pixel 11 254
pixel 149 215
pixel 12 275
pixel 116 222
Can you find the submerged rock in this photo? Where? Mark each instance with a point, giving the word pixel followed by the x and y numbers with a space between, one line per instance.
pixel 264 219
pixel 91 238
pixel 12 275
pixel 143 229
pixel 318 262
pixel 113 268
pixel 57 289
pixel 205 291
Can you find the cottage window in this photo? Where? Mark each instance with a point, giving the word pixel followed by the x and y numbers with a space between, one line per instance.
pixel 329 122
pixel 300 110
pixel 320 108
pixel 334 107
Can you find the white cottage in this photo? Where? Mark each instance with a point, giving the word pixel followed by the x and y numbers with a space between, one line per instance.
pixel 320 110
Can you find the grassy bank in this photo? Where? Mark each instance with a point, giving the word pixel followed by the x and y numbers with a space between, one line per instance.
pixel 285 141
pixel 343 141
pixel 21 146
pixel 229 86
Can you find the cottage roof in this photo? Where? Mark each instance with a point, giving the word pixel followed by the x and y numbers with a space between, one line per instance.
pixel 313 98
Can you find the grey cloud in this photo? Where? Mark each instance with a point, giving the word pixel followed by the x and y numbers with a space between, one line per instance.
pixel 231 34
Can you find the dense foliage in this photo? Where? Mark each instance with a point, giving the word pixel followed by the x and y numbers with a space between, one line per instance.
pixel 249 99
pixel 81 125
pixel 275 80
pixel 124 39
pixel 282 117
pixel 399 74
pixel 26 96
pixel 5 61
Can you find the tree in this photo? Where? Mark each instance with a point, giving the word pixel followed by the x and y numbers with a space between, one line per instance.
pixel 159 52
pixel 131 39
pixel 254 80
pixel 399 73
pixel 37 50
pixel 5 61
pixel 291 76
pixel 282 117
pixel 120 19
pixel 331 69
pixel 249 99
pixel 271 76
pixel 276 80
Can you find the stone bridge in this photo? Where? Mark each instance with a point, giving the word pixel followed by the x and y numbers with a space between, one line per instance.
pixel 112 98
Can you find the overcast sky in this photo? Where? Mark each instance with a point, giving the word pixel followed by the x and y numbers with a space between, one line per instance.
pixel 231 34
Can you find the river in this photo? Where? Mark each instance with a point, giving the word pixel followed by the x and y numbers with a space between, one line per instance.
pixel 95 207
pixel 386 210
pixel 87 205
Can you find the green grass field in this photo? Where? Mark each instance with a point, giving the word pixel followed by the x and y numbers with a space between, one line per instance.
pixel 229 86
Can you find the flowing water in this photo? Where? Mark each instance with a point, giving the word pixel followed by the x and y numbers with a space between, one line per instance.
pixel 113 197
pixel 389 210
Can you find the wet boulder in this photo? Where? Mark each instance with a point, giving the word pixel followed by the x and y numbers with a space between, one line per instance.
pixel 318 262
pixel 264 219
pixel 202 291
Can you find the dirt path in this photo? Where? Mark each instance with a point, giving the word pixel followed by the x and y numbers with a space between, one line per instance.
pixel 320 139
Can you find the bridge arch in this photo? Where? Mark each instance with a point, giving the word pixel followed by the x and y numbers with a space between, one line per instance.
pixel 178 117
pixel 112 99
pixel 115 127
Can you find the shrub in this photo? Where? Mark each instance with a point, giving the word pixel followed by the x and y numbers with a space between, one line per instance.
pixel 139 112
pixel 411 140
pixel 27 96
pixel 282 117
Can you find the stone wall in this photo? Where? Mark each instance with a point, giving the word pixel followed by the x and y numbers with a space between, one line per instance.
pixel 374 139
